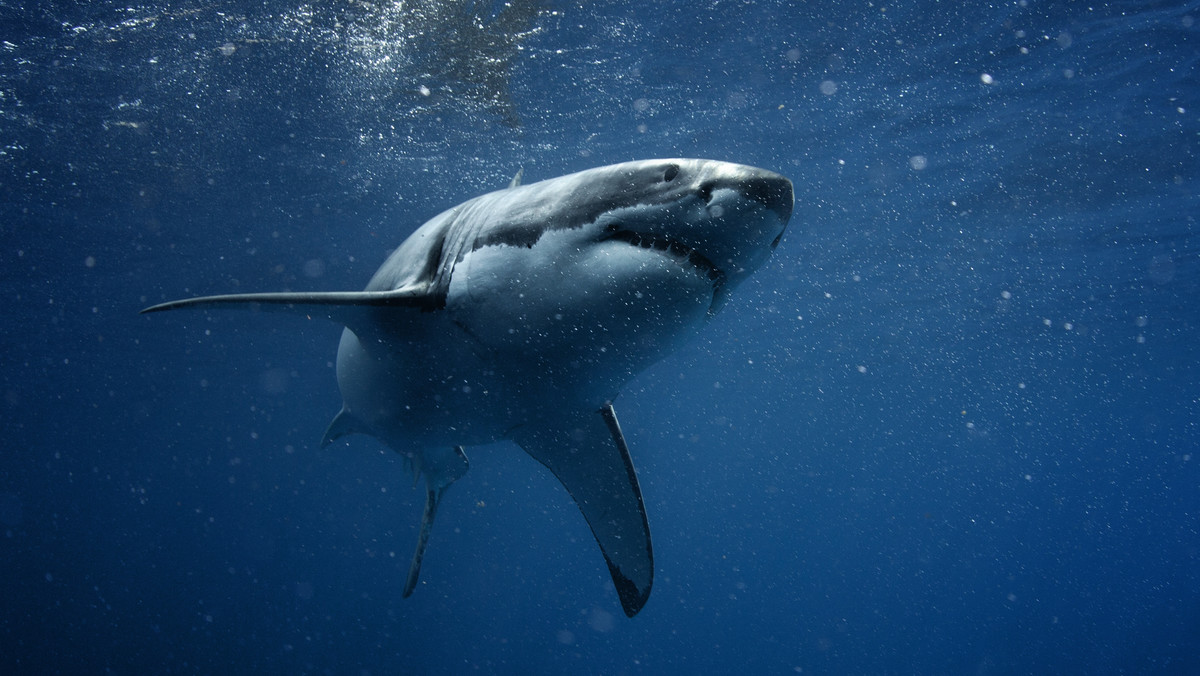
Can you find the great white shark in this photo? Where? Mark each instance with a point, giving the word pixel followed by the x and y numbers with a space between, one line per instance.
pixel 519 315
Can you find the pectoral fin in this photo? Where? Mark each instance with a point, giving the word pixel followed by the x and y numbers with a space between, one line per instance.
pixel 319 302
pixel 348 308
pixel 587 453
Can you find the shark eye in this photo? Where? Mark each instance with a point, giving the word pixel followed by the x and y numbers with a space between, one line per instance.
pixel 671 172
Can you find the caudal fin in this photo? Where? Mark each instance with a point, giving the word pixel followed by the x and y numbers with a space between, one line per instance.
pixel 435 487
pixel 433 496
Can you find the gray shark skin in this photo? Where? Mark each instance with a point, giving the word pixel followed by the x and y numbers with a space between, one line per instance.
pixel 520 314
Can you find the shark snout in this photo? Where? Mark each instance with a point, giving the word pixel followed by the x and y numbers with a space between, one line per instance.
pixel 771 190
pixel 774 191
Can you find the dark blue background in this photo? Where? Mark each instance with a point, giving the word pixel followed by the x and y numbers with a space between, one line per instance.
pixel 951 427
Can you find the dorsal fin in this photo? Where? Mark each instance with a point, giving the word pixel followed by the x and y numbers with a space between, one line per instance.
pixel 517 178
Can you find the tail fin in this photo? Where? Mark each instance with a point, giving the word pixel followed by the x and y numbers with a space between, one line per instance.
pixel 435 487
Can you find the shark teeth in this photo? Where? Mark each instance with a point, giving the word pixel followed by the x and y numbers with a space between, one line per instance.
pixel 674 249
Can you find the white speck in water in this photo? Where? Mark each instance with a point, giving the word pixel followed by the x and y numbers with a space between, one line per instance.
pixel 314 268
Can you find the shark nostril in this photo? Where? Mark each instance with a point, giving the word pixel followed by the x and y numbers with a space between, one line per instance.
pixel 671 172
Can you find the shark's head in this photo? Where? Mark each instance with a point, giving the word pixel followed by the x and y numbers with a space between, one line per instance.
pixel 720 219
pixel 717 221
pixel 623 259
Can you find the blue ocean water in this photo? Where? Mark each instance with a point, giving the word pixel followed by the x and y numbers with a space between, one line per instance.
pixel 950 427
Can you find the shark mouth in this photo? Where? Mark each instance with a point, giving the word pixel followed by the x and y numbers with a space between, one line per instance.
pixel 682 253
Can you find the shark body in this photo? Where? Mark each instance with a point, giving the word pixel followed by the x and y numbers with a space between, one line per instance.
pixel 519 314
